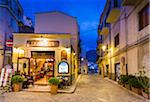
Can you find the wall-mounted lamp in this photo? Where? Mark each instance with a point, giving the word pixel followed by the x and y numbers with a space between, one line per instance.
pixel 103 47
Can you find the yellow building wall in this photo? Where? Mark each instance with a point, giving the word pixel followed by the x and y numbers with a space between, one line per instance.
pixel 20 44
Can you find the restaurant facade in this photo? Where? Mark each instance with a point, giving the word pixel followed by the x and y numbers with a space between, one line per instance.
pixel 52 49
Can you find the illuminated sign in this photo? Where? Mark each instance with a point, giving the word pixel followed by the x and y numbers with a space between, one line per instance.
pixel 42 43
pixel 63 67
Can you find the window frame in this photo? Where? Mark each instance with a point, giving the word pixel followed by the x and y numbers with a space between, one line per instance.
pixel 143 17
pixel 116 40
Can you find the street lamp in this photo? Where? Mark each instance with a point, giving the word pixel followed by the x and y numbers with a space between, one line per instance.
pixel 82 59
pixel 103 47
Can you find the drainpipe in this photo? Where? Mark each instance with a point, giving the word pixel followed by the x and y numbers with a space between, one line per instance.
pixel 126 31
pixel 109 49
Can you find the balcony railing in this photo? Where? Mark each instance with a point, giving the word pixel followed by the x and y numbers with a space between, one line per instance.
pixel 130 2
pixel 105 29
pixel 114 11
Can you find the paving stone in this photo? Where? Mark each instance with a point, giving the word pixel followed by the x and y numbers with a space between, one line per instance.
pixel 90 88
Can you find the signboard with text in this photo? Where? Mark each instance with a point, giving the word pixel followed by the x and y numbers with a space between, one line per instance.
pixel 41 43
pixel 63 68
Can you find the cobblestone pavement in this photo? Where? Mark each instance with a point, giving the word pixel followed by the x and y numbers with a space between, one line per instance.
pixel 90 89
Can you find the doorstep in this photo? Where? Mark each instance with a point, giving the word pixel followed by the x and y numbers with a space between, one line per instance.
pixel 46 88
pixel 114 82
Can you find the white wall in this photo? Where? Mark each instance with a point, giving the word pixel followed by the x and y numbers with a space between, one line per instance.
pixel 57 22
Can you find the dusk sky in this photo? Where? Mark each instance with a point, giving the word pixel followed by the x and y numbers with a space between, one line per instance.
pixel 87 12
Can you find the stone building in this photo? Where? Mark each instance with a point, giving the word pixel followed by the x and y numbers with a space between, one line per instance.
pixel 124 32
pixel 10 13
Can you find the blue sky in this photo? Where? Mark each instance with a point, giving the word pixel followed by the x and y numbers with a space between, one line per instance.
pixel 87 12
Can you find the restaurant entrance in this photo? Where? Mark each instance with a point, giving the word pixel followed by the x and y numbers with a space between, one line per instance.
pixel 42 66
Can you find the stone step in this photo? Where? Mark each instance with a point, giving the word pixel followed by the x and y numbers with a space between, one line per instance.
pixel 38 88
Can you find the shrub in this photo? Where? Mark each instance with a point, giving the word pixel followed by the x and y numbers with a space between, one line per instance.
pixel 133 81
pixel 53 81
pixel 124 79
pixel 16 79
pixel 144 81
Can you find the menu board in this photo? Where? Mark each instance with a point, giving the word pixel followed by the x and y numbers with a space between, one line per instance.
pixel 63 67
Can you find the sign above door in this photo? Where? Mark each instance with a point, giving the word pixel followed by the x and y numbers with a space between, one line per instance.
pixel 42 43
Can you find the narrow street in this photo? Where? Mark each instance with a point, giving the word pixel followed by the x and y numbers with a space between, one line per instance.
pixel 90 88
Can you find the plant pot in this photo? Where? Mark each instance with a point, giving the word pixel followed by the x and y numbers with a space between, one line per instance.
pixel 119 82
pixel 146 95
pixel 140 91
pixel 127 86
pixel 16 87
pixel 20 85
pixel 135 90
pixel 54 89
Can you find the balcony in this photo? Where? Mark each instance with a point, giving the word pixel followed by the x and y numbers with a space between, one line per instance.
pixel 105 30
pixel 114 12
pixel 130 2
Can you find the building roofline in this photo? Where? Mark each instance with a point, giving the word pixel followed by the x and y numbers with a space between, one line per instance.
pixel 56 12
pixel 41 33
pixel 46 35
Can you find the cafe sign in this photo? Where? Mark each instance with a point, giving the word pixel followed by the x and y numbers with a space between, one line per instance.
pixel 42 43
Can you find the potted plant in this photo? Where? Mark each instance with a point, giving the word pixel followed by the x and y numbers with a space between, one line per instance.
pixel 124 81
pixel 54 84
pixel 145 83
pixel 135 85
pixel 120 80
pixel 146 93
pixel 17 81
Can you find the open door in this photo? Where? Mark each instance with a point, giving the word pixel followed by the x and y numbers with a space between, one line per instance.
pixel 117 71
